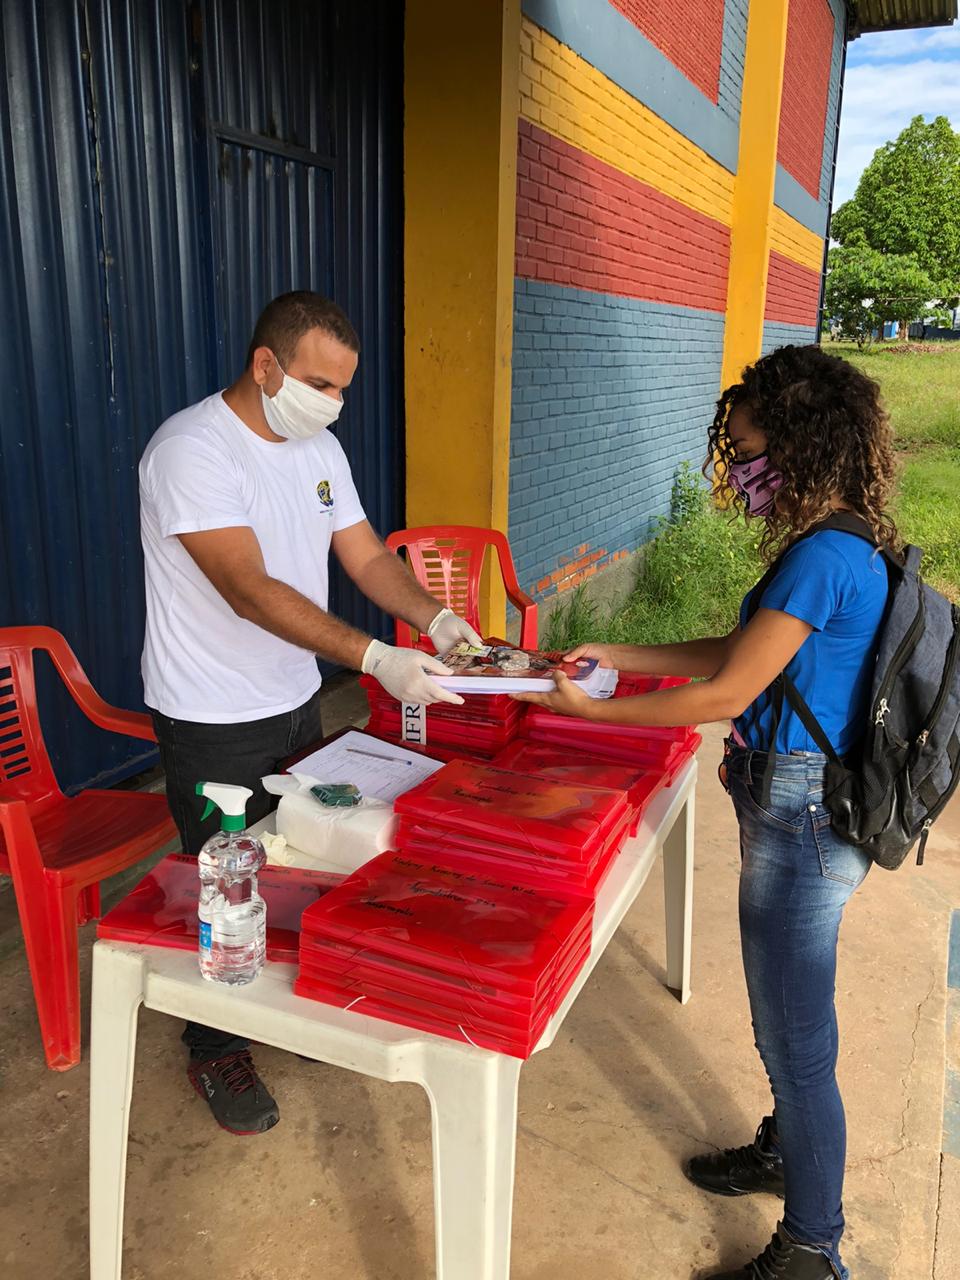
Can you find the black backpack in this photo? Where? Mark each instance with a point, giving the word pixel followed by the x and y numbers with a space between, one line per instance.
pixel 887 794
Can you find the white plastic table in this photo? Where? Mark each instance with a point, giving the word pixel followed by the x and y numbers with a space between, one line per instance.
pixel 473 1092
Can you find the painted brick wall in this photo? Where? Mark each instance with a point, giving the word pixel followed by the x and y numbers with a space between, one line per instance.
pixel 566 96
pixel 833 96
pixel 689 32
pixel 776 335
pixel 806 82
pixel 583 223
pixel 732 57
pixel 793 292
pixel 624 202
pixel 610 395
pixel 621 261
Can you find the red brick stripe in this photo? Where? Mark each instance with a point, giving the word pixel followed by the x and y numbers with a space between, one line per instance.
pixel 689 32
pixel 806 81
pixel 584 224
pixel 793 291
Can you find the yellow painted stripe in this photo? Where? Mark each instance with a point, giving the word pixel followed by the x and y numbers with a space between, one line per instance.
pixel 567 97
pixel 794 240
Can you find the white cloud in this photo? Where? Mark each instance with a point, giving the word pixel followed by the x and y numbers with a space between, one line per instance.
pixel 883 46
pixel 881 100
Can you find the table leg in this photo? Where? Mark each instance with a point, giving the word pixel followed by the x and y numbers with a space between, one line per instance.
pixel 678 898
pixel 474 1105
pixel 117 995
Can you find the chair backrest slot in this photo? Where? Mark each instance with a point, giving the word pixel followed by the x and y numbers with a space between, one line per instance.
pixel 23 755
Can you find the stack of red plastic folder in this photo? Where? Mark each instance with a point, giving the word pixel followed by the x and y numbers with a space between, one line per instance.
pixel 663 751
pixel 484 725
pixel 446 948
pixel 538 830
pixel 162 909
pixel 641 782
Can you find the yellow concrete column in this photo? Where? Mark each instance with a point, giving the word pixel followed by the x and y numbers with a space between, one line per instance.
pixel 461 95
pixel 752 216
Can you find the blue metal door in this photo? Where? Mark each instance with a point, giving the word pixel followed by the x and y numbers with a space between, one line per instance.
pixel 165 169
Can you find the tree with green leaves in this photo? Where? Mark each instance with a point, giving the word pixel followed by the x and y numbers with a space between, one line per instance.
pixel 866 288
pixel 908 203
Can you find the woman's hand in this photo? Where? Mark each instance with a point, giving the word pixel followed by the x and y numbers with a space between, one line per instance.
pixel 602 652
pixel 566 699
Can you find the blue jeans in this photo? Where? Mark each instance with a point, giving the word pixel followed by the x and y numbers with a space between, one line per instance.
pixel 796 876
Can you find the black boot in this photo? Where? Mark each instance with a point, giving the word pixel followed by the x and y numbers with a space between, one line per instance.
pixel 740 1171
pixel 782 1259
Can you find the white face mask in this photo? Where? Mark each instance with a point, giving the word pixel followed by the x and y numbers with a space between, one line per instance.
pixel 297 411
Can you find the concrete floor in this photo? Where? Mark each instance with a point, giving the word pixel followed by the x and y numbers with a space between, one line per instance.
pixel 341 1188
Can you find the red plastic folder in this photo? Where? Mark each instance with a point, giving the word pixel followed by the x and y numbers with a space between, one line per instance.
pixel 162 909
pixel 446 948
pixel 562 818
pixel 640 782
pixel 451 918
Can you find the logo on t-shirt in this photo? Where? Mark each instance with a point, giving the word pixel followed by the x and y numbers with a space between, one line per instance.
pixel 325 493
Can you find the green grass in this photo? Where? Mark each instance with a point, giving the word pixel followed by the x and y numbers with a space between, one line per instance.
pixel 922 391
pixel 927 511
pixel 921 388
pixel 701 564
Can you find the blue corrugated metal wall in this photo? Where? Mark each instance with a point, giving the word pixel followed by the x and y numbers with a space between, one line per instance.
pixel 165 169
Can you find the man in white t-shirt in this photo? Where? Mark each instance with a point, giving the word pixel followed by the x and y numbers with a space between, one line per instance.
pixel 242 498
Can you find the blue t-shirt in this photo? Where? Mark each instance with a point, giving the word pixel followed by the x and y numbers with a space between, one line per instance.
pixel 837 583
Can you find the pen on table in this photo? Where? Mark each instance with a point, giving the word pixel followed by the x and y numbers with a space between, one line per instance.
pixel 355 751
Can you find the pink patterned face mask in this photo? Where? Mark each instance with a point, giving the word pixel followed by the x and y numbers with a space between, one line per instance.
pixel 756 482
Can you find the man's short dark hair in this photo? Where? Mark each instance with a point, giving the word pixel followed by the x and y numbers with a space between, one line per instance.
pixel 285 320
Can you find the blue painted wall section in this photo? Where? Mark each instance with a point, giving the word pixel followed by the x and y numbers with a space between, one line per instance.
pixel 780 335
pixel 609 396
pixel 833 98
pixel 732 58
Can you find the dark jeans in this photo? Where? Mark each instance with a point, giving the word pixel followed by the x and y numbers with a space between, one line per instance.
pixel 241 754
pixel 795 879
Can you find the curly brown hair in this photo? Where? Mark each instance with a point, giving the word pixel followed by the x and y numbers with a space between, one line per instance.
pixel 827 434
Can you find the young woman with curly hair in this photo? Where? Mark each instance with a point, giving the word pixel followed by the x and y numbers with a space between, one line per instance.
pixel 802 437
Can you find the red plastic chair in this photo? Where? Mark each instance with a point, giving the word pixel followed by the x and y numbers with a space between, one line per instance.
pixel 447 559
pixel 58 849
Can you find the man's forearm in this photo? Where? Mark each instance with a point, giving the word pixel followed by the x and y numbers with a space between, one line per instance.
pixel 690 658
pixel 388 582
pixel 283 611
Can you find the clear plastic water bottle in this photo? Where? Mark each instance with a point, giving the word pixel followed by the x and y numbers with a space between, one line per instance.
pixel 232 915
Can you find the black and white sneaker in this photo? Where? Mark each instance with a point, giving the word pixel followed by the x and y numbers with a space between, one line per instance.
pixel 238 1098
pixel 741 1171
pixel 783 1259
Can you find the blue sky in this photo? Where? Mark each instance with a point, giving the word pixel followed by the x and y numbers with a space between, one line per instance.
pixel 891 77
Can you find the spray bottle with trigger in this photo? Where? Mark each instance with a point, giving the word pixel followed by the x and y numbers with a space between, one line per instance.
pixel 232 915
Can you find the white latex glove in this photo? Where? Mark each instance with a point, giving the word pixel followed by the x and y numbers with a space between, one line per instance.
pixel 404 673
pixel 447 629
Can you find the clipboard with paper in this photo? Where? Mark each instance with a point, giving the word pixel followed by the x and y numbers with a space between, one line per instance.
pixel 378 769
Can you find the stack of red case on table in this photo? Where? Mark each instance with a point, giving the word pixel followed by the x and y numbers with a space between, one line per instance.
pixel 660 751
pixel 477 928
pixel 446 947
pixel 484 725
pixel 543 831
pixel 162 908
pixel 640 782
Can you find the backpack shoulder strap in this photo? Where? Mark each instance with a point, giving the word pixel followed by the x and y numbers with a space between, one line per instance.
pixel 783 687
pixel 841 522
